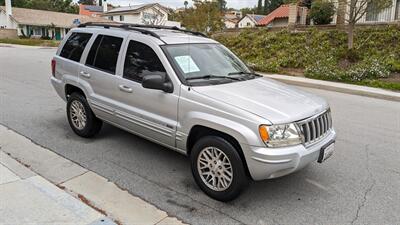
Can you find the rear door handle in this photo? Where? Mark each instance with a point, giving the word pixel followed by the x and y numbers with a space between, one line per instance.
pixel 125 88
pixel 85 74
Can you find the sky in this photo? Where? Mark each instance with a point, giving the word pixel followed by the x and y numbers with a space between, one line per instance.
pixel 238 4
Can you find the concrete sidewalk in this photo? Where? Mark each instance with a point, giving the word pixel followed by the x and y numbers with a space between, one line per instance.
pixel 27 198
pixel 338 87
pixel 38 186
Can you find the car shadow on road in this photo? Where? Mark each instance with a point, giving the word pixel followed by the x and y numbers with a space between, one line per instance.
pixel 138 155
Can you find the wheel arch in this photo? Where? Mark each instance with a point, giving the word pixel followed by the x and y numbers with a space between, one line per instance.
pixel 199 131
pixel 70 88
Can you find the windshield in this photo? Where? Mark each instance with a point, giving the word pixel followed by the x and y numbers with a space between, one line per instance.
pixel 204 62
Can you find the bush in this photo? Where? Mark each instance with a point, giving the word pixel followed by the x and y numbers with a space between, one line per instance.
pixel 369 69
pixel 322 54
pixel 322 12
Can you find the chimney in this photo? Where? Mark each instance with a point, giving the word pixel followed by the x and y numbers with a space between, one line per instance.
pixel 104 2
pixel 8 13
pixel 8 7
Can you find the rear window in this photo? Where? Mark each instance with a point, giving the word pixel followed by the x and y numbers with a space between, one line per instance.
pixel 104 53
pixel 74 46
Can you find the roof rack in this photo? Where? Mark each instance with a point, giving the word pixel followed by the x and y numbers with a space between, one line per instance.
pixel 123 26
pixel 138 27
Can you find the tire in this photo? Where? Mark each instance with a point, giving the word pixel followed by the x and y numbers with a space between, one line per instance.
pixel 221 190
pixel 92 124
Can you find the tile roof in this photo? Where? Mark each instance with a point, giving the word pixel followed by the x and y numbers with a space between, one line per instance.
pixel 36 17
pixel 281 12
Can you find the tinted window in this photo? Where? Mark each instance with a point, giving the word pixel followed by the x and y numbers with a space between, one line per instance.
pixel 104 53
pixel 141 60
pixel 75 45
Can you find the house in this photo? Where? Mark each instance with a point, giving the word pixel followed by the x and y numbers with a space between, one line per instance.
pixel 231 19
pixel 90 10
pixel 390 14
pixel 235 13
pixel 230 23
pixel 41 23
pixel 250 20
pixel 150 14
pixel 284 16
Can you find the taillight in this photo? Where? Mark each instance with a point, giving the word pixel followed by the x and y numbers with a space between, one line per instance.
pixel 53 67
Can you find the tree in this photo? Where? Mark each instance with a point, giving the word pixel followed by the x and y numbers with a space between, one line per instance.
pixel 51 5
pixel 357 9
pixel 186 3
pixel 222 5
pixel 322 12
pixel 203 17
pixel 274 4
pixel 87 2
pixel 267 4
pixel 259 7
pixel 248 10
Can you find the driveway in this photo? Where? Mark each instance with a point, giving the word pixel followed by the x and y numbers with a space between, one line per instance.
pixel 360 184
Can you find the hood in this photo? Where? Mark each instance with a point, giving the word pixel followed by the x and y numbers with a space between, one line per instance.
pixel 270 99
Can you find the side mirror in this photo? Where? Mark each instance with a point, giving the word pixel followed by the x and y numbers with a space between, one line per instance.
pixel 157 82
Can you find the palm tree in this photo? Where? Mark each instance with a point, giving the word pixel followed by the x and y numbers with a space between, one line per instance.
pixel 186 3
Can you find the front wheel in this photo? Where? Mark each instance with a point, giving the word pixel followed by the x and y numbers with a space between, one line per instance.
pixel 217 168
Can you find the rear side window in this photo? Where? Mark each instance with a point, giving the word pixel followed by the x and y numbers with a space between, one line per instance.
pixel 141 60
pixel 104 53
pixel 74 46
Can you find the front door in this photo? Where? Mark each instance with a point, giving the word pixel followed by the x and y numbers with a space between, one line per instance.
pixel 149 113
pixel 58 33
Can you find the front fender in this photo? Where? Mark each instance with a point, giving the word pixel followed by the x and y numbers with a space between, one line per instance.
pixel 243 134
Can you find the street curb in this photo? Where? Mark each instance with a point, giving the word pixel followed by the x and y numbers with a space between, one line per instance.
pixel 25 46
pixel 337 87
pixel 90 188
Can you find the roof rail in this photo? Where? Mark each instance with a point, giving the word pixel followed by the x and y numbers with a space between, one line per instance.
pixel 137 27
pixel 167 28
pixel 122 26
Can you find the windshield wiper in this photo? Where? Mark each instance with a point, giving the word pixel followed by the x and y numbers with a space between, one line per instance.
pixel 243 73
pixel 211 76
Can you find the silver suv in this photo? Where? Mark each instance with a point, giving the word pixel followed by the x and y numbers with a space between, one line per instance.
pixel 191 94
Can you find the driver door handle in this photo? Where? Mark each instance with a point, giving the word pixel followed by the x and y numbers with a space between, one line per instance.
pixel 125 88
pixel 85 74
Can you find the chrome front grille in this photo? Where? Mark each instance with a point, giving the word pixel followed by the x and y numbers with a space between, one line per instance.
pixel 316 127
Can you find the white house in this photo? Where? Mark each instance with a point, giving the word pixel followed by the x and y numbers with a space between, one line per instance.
pixel 230 23
pixel 151 14
pixel 40 23
pixel 390 14
pixel 250 20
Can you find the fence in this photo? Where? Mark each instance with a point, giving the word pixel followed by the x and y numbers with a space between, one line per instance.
pixel 8 33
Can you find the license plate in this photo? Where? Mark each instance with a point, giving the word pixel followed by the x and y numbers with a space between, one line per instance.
pixel 326 152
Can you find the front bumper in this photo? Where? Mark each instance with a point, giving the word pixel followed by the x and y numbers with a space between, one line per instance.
pixel 267 163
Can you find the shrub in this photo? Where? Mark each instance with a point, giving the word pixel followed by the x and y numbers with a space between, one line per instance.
pixel 369 69
pixel 322 12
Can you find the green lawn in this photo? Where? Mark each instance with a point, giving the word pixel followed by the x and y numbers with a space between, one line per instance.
pixel 31 42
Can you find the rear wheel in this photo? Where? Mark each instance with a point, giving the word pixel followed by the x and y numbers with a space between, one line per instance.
pixel 217 168
pixel 81 118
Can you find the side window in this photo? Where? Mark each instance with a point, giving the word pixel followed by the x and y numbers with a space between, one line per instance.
pixel 104 53
pixel 141 60
pixel 75 45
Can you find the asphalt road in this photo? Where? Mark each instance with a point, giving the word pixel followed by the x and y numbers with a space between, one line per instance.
pixel 360 184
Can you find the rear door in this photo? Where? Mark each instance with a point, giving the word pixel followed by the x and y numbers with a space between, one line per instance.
pixel 69 56
pixel 98 73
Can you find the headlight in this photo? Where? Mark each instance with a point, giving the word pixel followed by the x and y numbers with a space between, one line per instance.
pixel 280 135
